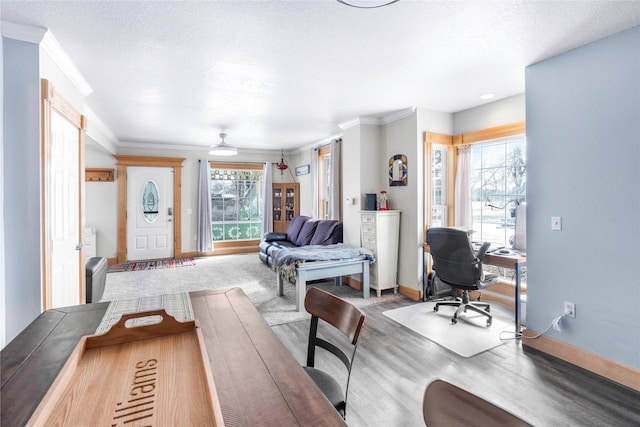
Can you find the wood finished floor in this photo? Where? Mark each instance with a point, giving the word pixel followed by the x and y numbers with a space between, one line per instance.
pixel 394 364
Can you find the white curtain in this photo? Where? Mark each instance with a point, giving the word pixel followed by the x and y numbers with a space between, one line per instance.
pixel 313 170
pixel 334 180
pixel 267 201
pixel 204 207
pixel 464 216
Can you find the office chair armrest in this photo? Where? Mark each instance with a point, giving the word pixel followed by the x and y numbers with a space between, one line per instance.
pixel 483 250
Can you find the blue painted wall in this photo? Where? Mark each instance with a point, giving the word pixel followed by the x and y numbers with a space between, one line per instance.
pixel 21 184
pixel 583 160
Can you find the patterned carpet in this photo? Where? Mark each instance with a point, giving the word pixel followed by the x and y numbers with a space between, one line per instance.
pixel 151 265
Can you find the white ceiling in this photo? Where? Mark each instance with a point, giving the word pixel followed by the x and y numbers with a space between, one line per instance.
pixel 284 74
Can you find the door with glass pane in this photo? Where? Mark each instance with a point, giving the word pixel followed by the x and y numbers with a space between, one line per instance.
pixel 149 213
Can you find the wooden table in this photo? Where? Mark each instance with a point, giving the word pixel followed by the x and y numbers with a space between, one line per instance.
pixel 257 380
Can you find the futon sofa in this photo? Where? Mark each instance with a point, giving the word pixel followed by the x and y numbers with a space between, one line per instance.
pixel 302 231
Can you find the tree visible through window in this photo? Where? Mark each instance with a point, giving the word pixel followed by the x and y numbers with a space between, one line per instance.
pixel 498 184
pixel 236 202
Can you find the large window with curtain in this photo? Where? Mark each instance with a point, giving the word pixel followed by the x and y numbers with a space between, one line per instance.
pixel 236 201
pixel 498 180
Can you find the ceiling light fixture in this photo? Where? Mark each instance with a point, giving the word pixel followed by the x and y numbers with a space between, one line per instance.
pixel 367 4
pixel 282 165
pixel 223 149
pixel 487 95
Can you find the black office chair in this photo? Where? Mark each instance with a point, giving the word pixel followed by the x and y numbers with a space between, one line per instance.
pixel 456 265
pixel 348 319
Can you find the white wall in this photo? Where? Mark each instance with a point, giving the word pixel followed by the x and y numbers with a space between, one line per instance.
pixel 101 202
pixel 3 311
pixel 500 112
pixel 583 163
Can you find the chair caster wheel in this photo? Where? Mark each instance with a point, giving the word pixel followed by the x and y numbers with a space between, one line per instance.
pixel 454 321
pixel 488 322
pixel 435 308
pixel 488 310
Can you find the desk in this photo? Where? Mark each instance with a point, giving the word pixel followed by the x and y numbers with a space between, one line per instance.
pixel 257 380
pixel 513 262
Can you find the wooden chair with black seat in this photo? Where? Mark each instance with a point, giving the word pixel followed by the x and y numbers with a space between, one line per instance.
pixel 457 265
pixel 347 319
pixel 447 405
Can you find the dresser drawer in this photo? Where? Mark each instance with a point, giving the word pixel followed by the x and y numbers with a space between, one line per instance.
pixel 368 219
pixel 368 228
pixel 369 239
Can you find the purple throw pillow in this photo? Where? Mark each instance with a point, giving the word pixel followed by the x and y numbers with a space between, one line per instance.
pixel 328 232
pixel 294 227
pixel 306 234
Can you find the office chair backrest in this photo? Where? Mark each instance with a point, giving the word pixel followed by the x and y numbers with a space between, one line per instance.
pixel 454 261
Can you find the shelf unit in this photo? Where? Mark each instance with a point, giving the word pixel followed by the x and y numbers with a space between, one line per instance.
pixel 380 232
pixel 286 205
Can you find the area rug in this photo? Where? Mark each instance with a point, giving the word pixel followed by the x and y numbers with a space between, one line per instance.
pixel 467 338
pixel 151 265
pixel 245 271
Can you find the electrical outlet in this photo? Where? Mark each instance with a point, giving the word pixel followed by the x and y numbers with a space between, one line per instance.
pixel 570 309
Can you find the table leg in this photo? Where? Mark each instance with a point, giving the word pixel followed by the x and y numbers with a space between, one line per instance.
pixel 280 286
pixel 365 279
pixel 301 290
pixel 517 310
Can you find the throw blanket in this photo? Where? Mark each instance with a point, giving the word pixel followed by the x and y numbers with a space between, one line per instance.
pixel 286 260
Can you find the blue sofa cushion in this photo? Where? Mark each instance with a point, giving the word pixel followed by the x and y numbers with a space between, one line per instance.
pixel 328 232
pixel 295 226
pixel 306 234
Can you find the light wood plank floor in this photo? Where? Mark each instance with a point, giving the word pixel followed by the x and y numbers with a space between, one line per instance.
pixel 393 366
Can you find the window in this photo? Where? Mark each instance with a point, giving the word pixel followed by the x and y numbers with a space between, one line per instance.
pixel 498 185
pixel 439 186
pixel 324 187
pixel 236 202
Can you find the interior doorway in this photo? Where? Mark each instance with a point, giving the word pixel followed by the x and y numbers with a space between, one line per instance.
pixel 62 183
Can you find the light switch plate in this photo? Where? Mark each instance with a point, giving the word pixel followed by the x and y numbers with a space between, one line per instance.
pixel 556 223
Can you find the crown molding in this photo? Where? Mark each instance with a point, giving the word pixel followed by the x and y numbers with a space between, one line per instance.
pixel 397 115
pixel 44 38
pixel 367 120
pixel 62 60
pixel 99 132
pixel 23 33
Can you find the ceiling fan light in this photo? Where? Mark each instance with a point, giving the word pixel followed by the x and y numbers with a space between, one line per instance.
pixel 367 4
pixel 223 149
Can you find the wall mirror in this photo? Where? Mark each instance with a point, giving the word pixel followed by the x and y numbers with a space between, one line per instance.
pixel 398 170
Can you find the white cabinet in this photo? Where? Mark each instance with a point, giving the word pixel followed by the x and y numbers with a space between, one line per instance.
pixel 379 231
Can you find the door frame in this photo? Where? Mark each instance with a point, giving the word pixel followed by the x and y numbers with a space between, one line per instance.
pixel 52 100
pixel 150 161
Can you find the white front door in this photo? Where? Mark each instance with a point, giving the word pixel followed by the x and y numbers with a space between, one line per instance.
pixel 65 212
pixel 149 213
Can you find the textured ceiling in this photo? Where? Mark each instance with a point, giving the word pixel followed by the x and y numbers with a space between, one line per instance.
pixel 284 74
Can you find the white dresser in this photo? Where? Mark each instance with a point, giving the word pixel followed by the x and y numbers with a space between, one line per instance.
pixel 379 231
